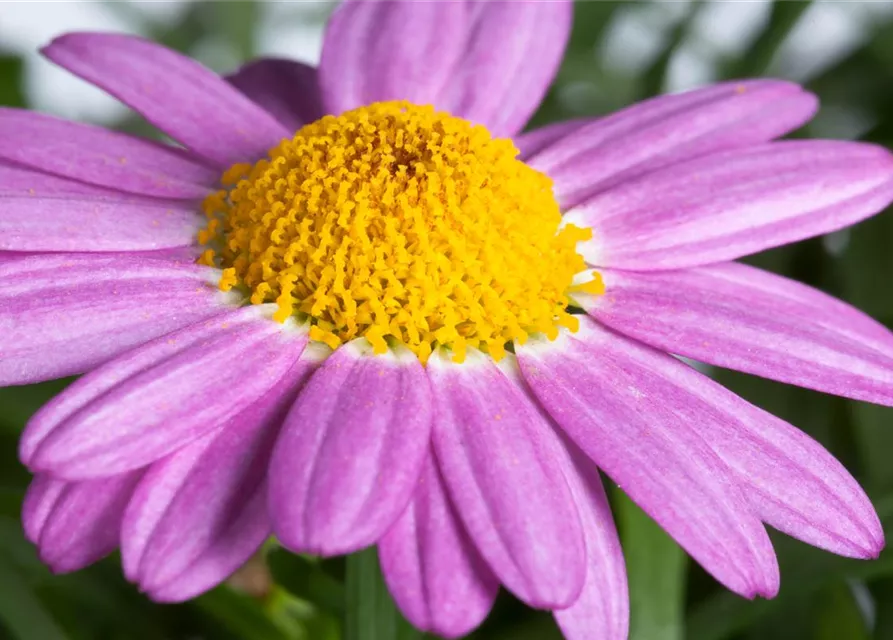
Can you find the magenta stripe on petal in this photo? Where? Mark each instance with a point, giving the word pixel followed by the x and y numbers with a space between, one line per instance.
pixel 176 255
pixel 739 317
pixel 643 432
pixel 84 522
pixel 351 451
pixel 97 156
pixel 62 314
pixel 180 96
pixel 511 54
pixel 404 50
pixel 224 486
pixel 179 256
pixel 726 205
pixel 155 399
pixel 286 89
pixel 610 150
pixel 435 574
pixel 501 464
pixel 84 223
pixel 24 181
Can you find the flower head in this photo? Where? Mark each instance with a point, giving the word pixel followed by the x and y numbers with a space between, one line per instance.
pixel 396 221
pixel 360 307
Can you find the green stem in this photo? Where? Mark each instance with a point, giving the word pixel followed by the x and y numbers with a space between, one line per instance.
pixel 371 613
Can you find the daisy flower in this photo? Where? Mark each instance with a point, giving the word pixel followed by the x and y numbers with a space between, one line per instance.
pixel 357 306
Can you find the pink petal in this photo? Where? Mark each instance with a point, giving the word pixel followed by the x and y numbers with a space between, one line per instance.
pixel 286 89
pixel 214 513
pixel 730 204
pixel 85 223
pixel 790 481
pixel 605 152
pixel 739 317
pixel 501 463
pixel 93 155
pixel 511 55
pixel 181 97
pixel 41 497
pixel 22 181
pixel 351 451
pixel 152 496
pixel 157 398
pixel 644 434
pixel 83 525
pixel 602 609
pixel 376 51
pixel 232 549
pixel 435 574
pixel 62 314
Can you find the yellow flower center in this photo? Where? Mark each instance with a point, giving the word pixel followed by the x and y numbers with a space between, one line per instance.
pixel 396 222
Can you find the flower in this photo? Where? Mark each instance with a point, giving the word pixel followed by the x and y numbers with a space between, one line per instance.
pixel 375 334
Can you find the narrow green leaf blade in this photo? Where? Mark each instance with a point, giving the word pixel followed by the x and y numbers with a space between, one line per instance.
pixel 784 17
pixel 307 581
pixel 371 613
pixel 11 85
pixel 654 77
pixel 838 615
pixel 21 612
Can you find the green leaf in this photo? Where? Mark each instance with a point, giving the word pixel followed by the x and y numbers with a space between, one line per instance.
pixel 782 20
pixel 805 570
pixel 21 611
pixel 882 592
pixel 541 627
pixel 583 86
pixel 241 615
pixel 11 93
pixel 97 602
pixel 234 23
pixel 307 580
pixel 654 77
pixel 21 553
pixel 867 256
pixel 17 404
pixel 591 21
pixel 655 567
pixel 839 616
pixel 874 439
pixel 371 613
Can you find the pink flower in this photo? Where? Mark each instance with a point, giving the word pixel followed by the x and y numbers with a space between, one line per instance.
pixel 205 423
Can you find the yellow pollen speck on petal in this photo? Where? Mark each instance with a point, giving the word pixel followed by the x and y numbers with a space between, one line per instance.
pixel 398 223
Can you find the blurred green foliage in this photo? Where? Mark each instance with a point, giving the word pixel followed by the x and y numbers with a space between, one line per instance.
pixel 823 597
